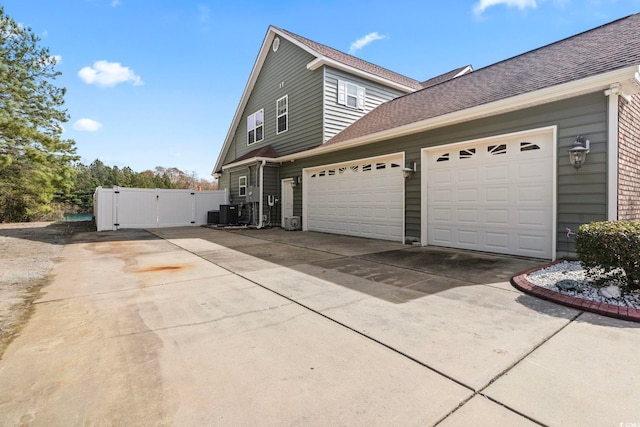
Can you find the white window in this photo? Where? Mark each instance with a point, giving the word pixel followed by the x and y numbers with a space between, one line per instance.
pixel 351 95
pixel 242 185
pixel 282 113
pixel 255 127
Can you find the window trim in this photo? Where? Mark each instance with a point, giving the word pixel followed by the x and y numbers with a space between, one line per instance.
pixel 286 115
pixel 242 186
pixel 343 95
pixel 255 128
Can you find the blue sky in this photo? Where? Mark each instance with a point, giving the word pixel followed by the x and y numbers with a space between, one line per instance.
pixel 156 82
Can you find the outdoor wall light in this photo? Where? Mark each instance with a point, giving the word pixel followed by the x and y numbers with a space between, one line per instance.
pixel 409 169
pixel 578 152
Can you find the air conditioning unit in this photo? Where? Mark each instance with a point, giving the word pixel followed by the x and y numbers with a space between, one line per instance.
pixel 292 223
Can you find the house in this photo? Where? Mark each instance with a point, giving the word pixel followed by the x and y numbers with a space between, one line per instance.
pixel 300 94
pixel 475 159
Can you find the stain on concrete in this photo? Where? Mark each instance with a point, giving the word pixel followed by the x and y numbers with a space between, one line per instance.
pixel 161 268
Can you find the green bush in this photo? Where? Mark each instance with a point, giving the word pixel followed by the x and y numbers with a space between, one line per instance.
pixel 610 247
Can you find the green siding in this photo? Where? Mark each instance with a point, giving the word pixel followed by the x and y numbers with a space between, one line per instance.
pixel 244 208
pixel 271 183
pixel 283 73
pixel 581 195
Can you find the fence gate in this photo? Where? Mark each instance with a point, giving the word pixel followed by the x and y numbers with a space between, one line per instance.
pixel 153 208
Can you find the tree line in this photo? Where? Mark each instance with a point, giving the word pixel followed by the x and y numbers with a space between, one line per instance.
pixel 40 173
pixel 97 174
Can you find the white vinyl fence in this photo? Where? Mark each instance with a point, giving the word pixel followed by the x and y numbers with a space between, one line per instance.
pixel 118 207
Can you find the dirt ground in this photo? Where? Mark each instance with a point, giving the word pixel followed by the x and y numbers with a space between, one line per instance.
pixel 28 252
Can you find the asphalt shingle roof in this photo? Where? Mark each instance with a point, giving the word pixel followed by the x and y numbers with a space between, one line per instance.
pixel 354 62
pixel 443 77
pixel 607 48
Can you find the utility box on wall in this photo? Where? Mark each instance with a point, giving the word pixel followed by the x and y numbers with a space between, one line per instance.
pixel 253 194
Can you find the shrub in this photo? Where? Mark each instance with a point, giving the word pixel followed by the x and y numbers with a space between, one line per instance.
pixel 609 247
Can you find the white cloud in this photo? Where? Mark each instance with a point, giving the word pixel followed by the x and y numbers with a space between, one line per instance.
pixel 204 13
pixel 56 58
pixel 115 3
pixel 360 43
pixel 87 125
pixel 105 73
pixel 483 5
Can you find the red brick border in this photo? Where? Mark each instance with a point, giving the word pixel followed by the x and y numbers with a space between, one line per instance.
pixel 520 282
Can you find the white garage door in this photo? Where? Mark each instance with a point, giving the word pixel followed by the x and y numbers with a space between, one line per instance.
pixel 494 196
pixel 362 198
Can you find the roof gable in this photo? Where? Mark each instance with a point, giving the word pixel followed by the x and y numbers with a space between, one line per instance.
pixel 607 48
pixel 351 61
pixel 321 52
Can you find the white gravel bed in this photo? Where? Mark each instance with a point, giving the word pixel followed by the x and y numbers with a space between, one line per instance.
pixel 548 278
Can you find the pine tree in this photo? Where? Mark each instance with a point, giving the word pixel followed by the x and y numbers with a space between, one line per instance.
pixel 35 162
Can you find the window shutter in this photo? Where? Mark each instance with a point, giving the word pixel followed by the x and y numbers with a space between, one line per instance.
pixel 342 93
pixel 361 97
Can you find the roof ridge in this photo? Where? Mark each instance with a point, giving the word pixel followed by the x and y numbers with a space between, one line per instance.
pixel 310 43
pixel 555 42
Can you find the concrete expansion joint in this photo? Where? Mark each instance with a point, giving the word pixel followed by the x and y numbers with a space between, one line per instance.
pixel 208 322
pixel 346 304
pixel 523 357
pixel 363 334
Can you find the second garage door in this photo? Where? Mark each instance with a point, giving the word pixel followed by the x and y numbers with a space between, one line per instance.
pixel 495 195
pixel 362 198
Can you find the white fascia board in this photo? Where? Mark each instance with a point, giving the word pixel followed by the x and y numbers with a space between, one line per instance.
pixel 323 60
pixel 464 71
pixel 624 76
pixel 249 161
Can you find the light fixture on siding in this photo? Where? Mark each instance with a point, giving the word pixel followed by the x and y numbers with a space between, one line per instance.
pixel 578 152
pixel 409 168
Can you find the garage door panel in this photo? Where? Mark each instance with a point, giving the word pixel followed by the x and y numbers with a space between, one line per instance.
pixel 533 245
pixel 468 237
pixel 497 241
pixel 442 177
pixel 442 195
pixel 442 214
pixel 499 194
pixel 362 198
pixel 497 174
pixel 531 218
pixel 532 170
pixel 493 195
pixel 467 175
pixel 467 195
pixel 441 236
pixel 468 216
pixel 498 217
pixel 537 193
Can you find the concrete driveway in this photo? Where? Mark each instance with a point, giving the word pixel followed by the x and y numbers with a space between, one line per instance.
pixel 193 327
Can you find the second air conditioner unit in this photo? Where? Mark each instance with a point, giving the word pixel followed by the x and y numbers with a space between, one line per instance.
pixel 292 223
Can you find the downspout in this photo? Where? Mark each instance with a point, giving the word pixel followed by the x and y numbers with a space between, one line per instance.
pixel 612 152
pixel 260 208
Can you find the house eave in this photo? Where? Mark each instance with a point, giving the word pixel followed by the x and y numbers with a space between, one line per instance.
pixel 249 161
pixel 323 60
pixel 628 78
